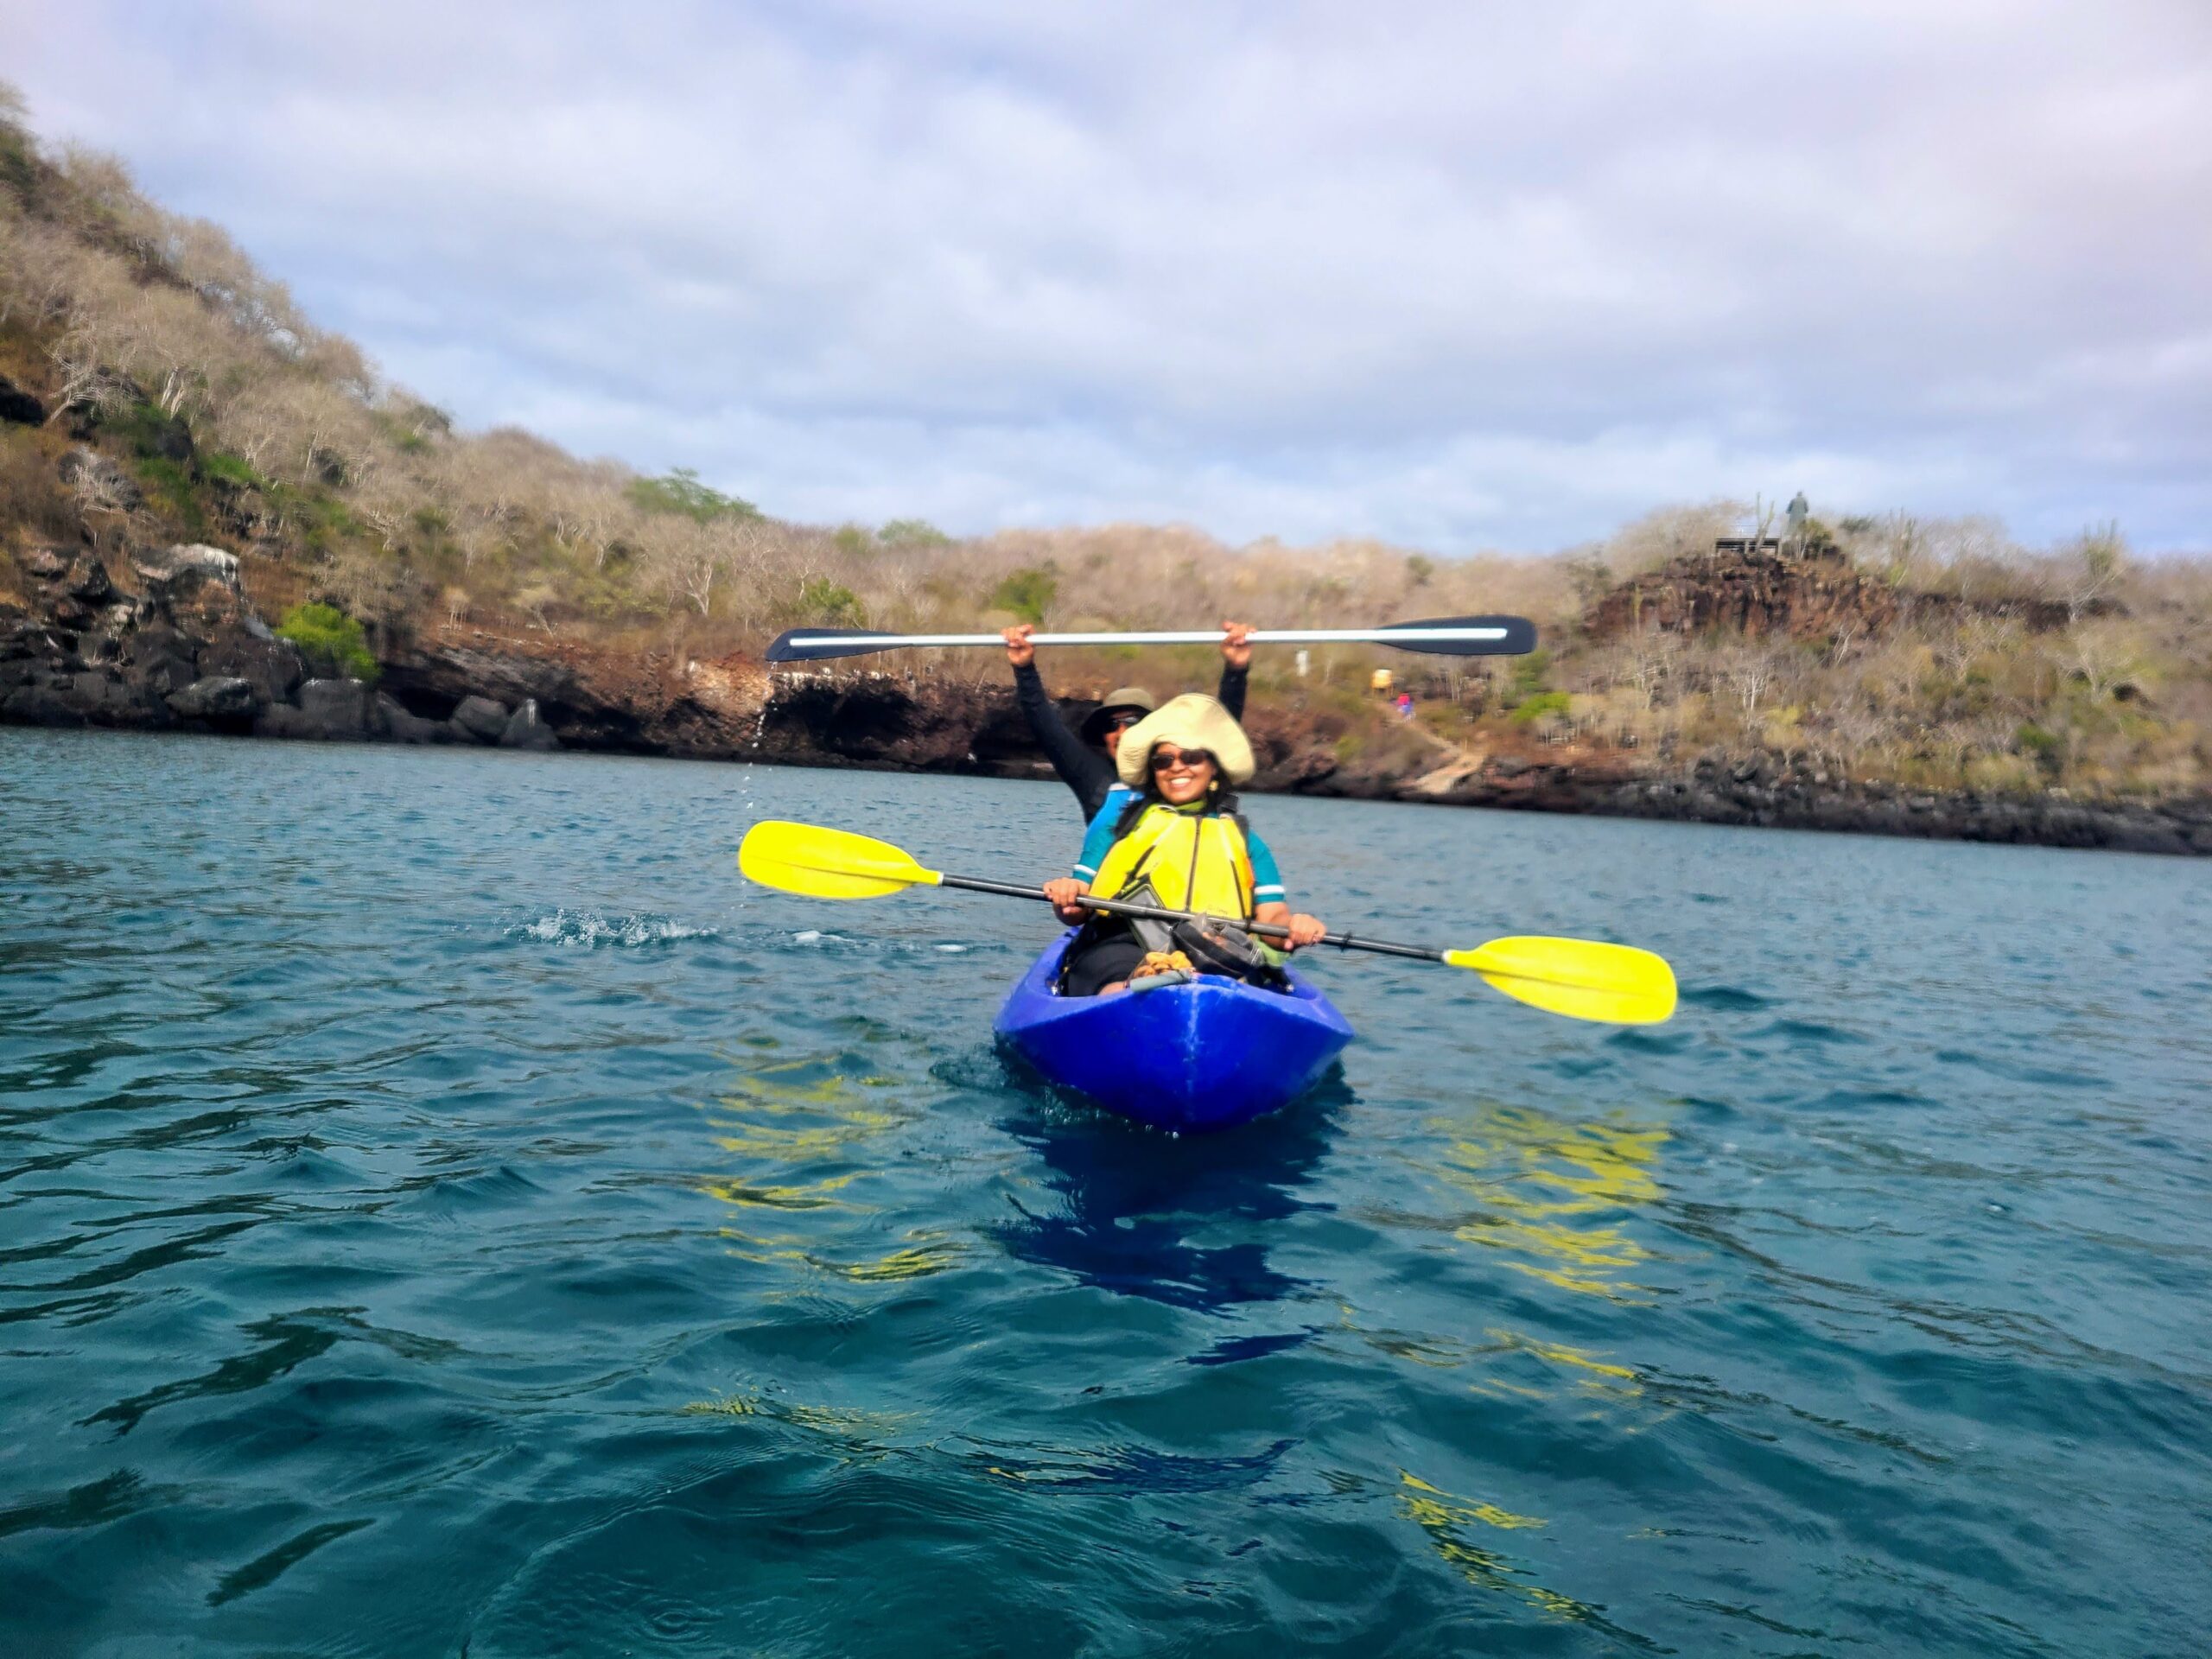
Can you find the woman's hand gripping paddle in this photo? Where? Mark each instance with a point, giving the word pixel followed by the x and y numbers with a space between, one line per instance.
pixel 1615 984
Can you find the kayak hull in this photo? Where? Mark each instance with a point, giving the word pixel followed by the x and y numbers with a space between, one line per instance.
pixel 1207 1055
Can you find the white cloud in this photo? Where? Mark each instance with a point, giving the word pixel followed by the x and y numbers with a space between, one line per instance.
pixel 1452 275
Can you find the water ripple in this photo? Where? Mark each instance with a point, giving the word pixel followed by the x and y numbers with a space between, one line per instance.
pixel 439 1169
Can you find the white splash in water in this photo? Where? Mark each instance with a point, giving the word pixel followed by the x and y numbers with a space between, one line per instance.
pixel 952 950
pixel 588 930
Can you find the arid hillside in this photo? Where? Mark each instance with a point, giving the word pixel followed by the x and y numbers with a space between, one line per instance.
pixel 158 391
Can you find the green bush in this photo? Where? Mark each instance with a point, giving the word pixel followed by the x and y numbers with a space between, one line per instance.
pixel 1530 673
pixel 319 518
pixel 150 432
pixel 2043 746
pixel 223 467
pixel 680 492
pixel 167 482
pixel 331 641
pixel 1027 593
pixel 1534 708
pixel 914 532
pixel 831 605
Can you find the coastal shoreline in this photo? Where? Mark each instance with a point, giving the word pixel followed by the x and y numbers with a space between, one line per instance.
pixel 188 652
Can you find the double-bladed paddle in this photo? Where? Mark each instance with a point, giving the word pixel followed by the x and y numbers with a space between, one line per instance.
pixel 1617 984
pixel 1445 636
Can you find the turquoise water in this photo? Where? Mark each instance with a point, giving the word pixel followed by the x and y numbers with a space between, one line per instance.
pixel 442 1207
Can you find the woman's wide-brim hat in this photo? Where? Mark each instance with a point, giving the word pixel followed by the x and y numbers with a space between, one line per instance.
pixel 1194 720
pixel 1119 700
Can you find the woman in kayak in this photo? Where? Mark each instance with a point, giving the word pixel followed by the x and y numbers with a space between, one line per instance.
pixel 1084 758
pixel 1178 842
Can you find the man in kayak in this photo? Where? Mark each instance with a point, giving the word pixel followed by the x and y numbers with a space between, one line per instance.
pixel 1181 844
pixel 1084 758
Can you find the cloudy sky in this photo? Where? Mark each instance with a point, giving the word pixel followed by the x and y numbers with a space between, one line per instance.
pixel 1459 274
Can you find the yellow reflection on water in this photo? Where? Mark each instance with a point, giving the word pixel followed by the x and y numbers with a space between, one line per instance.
pixel 1431 1510
pixel 1536 1366
pixel 1550 1192
pixel 1586 1370
pixel 1447 1522
pixel 799 1130
pixel 855 1429
pixel 1446 1519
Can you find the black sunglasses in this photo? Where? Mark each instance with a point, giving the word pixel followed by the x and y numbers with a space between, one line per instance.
pixel 1163 761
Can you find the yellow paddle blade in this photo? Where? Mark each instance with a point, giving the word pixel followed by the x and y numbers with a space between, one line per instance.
pixel 826 863
pixel 1618 984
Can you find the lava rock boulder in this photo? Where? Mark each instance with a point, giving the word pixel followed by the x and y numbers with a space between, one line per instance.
pixel 482 720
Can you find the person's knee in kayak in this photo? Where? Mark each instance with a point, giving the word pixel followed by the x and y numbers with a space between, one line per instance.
pixel 1085 758
pixel 1178 842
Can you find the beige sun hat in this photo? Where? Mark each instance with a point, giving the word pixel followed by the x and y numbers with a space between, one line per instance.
pixel 1194 720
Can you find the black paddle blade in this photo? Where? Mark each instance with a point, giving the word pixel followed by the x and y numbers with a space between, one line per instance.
pixel 784 651
pixel 1519 637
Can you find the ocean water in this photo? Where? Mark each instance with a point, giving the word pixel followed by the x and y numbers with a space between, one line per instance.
pixel 443 1209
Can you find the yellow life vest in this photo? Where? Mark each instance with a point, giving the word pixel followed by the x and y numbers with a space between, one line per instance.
pixel 1194 861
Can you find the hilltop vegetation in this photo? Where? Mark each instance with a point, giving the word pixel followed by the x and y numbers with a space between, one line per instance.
pixel 164 389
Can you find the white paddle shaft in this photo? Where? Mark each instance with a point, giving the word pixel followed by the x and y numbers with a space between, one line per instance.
pixel 1185 637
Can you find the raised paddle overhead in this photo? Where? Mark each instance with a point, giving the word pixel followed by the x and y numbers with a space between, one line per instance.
pixel 1447 636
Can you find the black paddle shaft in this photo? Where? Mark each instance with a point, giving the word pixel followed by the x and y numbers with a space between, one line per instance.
pixel 1154 912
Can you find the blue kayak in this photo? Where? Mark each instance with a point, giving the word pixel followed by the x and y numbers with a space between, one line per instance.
pixel 1207 1055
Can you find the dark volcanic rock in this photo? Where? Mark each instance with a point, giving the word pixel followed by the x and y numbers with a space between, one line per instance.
pixel 186 565
pixel 527 730
pixel 329 711
pixel 249 652
pixel 1806 595
pixel 401 727
pixel 1813 594
pixel 41 705
pixel 622 702
pixel 19 406
pixel 223 701
pixel 482 718
pixel 284 719
pixel 104 699
pixel 198 586
pixel 170 439
pixel 880 719
pixel 86 582
pixel 158 660
pixel 337 708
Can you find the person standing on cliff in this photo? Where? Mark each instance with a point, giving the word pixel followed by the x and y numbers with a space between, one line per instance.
pixel 1085 759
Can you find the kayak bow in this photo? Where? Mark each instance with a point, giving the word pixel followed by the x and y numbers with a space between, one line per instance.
pixel 1207 1055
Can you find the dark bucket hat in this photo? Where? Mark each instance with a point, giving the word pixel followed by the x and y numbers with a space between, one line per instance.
pixel 1126 697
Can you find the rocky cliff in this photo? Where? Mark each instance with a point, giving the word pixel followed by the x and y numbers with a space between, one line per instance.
pixel 1813 594
pixel 173 645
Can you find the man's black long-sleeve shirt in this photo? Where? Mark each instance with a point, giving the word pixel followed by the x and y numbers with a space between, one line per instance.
pixel 1083 766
